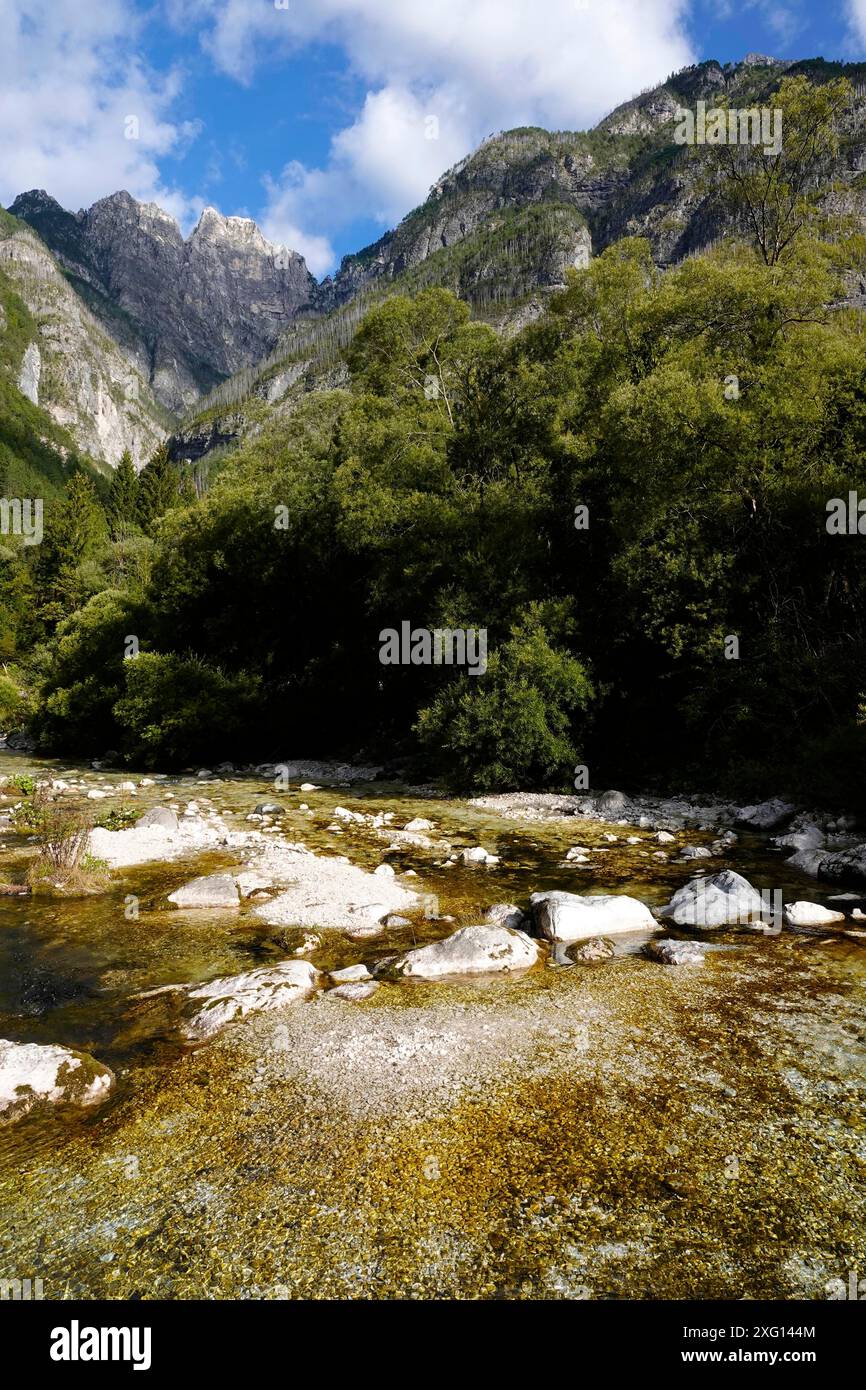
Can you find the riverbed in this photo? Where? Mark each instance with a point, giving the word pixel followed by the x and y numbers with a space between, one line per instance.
pixel 618 1129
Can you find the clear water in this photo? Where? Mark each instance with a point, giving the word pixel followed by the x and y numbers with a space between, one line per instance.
pixel 522 1160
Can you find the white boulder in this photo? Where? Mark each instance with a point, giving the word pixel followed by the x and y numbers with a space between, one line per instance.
pixel 33 1074
pixel 563 916
pixel 479 855
pixel 212 890
pixel 803 914
pixel 470 951
pixel 671 952
pixel 725 898
pixel 224 1000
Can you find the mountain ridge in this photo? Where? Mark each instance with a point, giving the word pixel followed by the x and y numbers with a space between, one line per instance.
pixel 227 316
pixel 198 308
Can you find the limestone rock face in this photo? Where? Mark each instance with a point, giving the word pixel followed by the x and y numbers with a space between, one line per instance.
pixel 31 370
pixel 189 312
pixel 71 368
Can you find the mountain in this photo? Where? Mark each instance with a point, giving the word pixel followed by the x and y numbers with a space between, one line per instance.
pixel 227 329
pixel 502 227
pixel 82 393
pixel 189 312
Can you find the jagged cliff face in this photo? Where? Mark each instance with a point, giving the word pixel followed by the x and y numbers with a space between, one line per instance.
pixel 187 313
pixel 624 177
pixel 225 309
pixel 69 366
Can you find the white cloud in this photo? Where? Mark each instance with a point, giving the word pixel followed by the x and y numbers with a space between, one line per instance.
pixel 72 88
pixel 71 74
pixel 786 23
pixel 476 65
pixel 857 21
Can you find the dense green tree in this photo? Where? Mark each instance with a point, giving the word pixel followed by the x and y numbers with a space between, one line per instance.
pixel 158 489
pixel 775 190
pixel 74 530
pixel 621 489
pixel 123 499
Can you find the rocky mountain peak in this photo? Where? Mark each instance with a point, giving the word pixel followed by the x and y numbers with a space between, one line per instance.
pixel 191 311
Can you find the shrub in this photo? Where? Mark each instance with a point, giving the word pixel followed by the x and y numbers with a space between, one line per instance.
pixel 14 706
pixel 514 726
pixel 178 709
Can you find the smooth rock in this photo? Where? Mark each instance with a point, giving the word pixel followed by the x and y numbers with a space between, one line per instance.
pixel 805 914
pixel 808 861
pixel 478 855
pixel 725 898
pixel 505 915
pixel 354 992
pixel 417 825
pixel 257 991
pixel 807 837
pixel 470 951
pixel 350 974
pixel 671 952
pixel 212 890
pixel 612 804
pixel 563 916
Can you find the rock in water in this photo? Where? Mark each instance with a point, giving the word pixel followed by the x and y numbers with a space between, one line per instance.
pixel 805 914
pixel 505 915
pixel 350 974
pixel 355 992
pixel 572 917
pixel 470 951
pixel 257 991
pixel 214 890
pixel 32 1075
pixel 479 855
pixel 767 815
pixel 598 948
pixel 671 952
pixel 725 898
pixel 848 866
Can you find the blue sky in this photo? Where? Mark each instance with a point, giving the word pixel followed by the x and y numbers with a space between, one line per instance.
pixel 327 120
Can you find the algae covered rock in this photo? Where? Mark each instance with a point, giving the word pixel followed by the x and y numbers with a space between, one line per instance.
pixel 32 1074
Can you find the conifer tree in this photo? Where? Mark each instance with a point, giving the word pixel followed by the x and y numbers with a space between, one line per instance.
pixel 157 489
pixel 74 531
pixel 122 507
